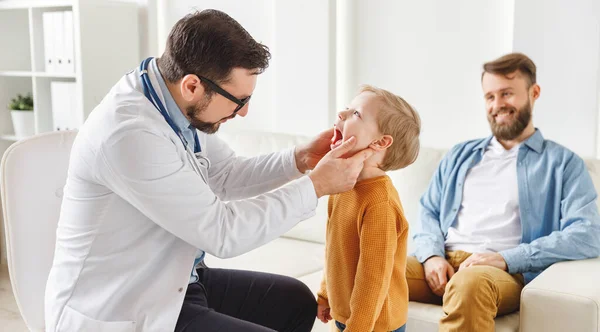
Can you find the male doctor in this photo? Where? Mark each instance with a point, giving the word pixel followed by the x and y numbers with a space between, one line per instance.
pixel 147 194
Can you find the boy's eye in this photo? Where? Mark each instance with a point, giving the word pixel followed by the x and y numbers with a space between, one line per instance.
pixel 356 113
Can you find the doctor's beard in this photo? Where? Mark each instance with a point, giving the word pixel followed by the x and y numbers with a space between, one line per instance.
pixel 193 113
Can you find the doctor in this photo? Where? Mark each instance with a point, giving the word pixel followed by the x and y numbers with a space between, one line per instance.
pixel 147 195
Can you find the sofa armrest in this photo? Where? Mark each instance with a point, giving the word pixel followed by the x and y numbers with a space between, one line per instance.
pixel 565 297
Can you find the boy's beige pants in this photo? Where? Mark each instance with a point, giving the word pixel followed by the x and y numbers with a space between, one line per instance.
pixel 474 296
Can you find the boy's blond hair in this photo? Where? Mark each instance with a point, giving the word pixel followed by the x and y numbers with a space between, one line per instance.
pixel 399 120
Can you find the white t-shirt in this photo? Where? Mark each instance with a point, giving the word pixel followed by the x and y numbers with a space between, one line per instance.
pixel 489 219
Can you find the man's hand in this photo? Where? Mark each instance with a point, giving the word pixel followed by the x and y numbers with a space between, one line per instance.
pixel 323 313
pixel 334 174
pixel 491 259
pixel 309 154
pixel 437 273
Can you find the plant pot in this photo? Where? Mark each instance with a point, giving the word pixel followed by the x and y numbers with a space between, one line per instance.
pixel 23 123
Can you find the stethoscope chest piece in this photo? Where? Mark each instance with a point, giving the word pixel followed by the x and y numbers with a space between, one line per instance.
pixel 202 160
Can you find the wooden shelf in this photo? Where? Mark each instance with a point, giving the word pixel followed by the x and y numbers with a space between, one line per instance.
pixel 15 73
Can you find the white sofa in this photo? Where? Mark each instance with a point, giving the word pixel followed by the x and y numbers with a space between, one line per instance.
pixel 564 298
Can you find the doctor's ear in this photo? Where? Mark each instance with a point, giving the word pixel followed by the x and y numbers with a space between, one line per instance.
pixel 382 143
pixel 191 88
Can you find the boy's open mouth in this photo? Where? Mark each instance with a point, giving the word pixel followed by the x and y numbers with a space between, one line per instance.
pixel 337 139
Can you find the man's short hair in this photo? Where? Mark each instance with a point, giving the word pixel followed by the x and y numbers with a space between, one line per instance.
pixel 210 43
pixel 511 63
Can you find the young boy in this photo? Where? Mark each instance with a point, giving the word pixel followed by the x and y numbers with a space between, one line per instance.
pixel 364 287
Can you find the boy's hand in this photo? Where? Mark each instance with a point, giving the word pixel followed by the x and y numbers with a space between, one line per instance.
pixel 323 314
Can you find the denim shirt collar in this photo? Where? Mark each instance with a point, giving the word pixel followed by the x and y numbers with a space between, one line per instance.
pixel 535 142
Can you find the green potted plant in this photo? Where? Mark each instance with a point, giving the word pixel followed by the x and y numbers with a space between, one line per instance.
pixel 21 111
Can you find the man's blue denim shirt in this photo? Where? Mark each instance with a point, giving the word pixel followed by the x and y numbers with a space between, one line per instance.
pixel 557 202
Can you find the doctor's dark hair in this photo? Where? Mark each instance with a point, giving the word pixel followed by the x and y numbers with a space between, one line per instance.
pixel 210 43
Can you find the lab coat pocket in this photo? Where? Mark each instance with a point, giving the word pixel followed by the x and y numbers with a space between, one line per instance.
pixel 72 320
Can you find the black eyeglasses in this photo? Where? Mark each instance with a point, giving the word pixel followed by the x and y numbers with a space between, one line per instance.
pixel 240 102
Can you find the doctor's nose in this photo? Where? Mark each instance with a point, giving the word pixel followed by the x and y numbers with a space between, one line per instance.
pixel 244 111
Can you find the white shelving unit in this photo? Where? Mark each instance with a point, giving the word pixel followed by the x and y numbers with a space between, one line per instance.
pixel 106 46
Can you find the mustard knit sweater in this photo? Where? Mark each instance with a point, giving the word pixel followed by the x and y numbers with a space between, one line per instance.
pixel 365 281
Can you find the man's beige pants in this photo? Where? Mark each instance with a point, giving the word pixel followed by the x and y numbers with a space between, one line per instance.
pixel 474 296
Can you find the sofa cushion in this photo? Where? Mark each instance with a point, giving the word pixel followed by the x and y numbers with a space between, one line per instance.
pixel 314 228
pixel 412 181
pixel 253 143
pixel 283 256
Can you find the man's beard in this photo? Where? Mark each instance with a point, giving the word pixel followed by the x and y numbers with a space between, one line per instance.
pixel 511 130
pixel 193 113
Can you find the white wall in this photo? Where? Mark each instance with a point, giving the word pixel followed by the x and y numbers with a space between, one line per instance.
pixel 147 27
pixel 430 53
pixel 296 93
pixel 563 39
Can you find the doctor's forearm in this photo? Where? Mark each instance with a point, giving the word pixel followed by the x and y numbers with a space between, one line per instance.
pixel 249 177
pixel 247 224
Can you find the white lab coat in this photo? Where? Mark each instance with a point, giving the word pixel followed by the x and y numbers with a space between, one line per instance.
pixel 134 214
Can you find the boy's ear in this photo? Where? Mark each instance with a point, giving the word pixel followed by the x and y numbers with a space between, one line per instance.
pixel 382 143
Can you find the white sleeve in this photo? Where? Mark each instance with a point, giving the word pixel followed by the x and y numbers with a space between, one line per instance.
pixel 146 170
pixel 232 177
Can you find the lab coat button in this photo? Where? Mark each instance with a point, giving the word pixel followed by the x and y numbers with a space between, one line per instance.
pixel 180 289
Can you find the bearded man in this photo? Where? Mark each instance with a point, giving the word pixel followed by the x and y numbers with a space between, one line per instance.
pixel 500 210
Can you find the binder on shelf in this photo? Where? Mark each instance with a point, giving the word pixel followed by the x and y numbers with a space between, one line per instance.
pixel 48 26
pixel 64 109
pixel 58 35
pixel 69 49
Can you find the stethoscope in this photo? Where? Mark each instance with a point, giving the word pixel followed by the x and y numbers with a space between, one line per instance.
pixel 196 159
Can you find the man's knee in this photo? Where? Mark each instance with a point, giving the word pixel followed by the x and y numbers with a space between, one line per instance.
pixel 299 293
pixel 469 283
pixel 302 302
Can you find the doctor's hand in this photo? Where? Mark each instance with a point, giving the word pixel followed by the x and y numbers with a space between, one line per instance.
pixel 308 155
pixel 335 174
